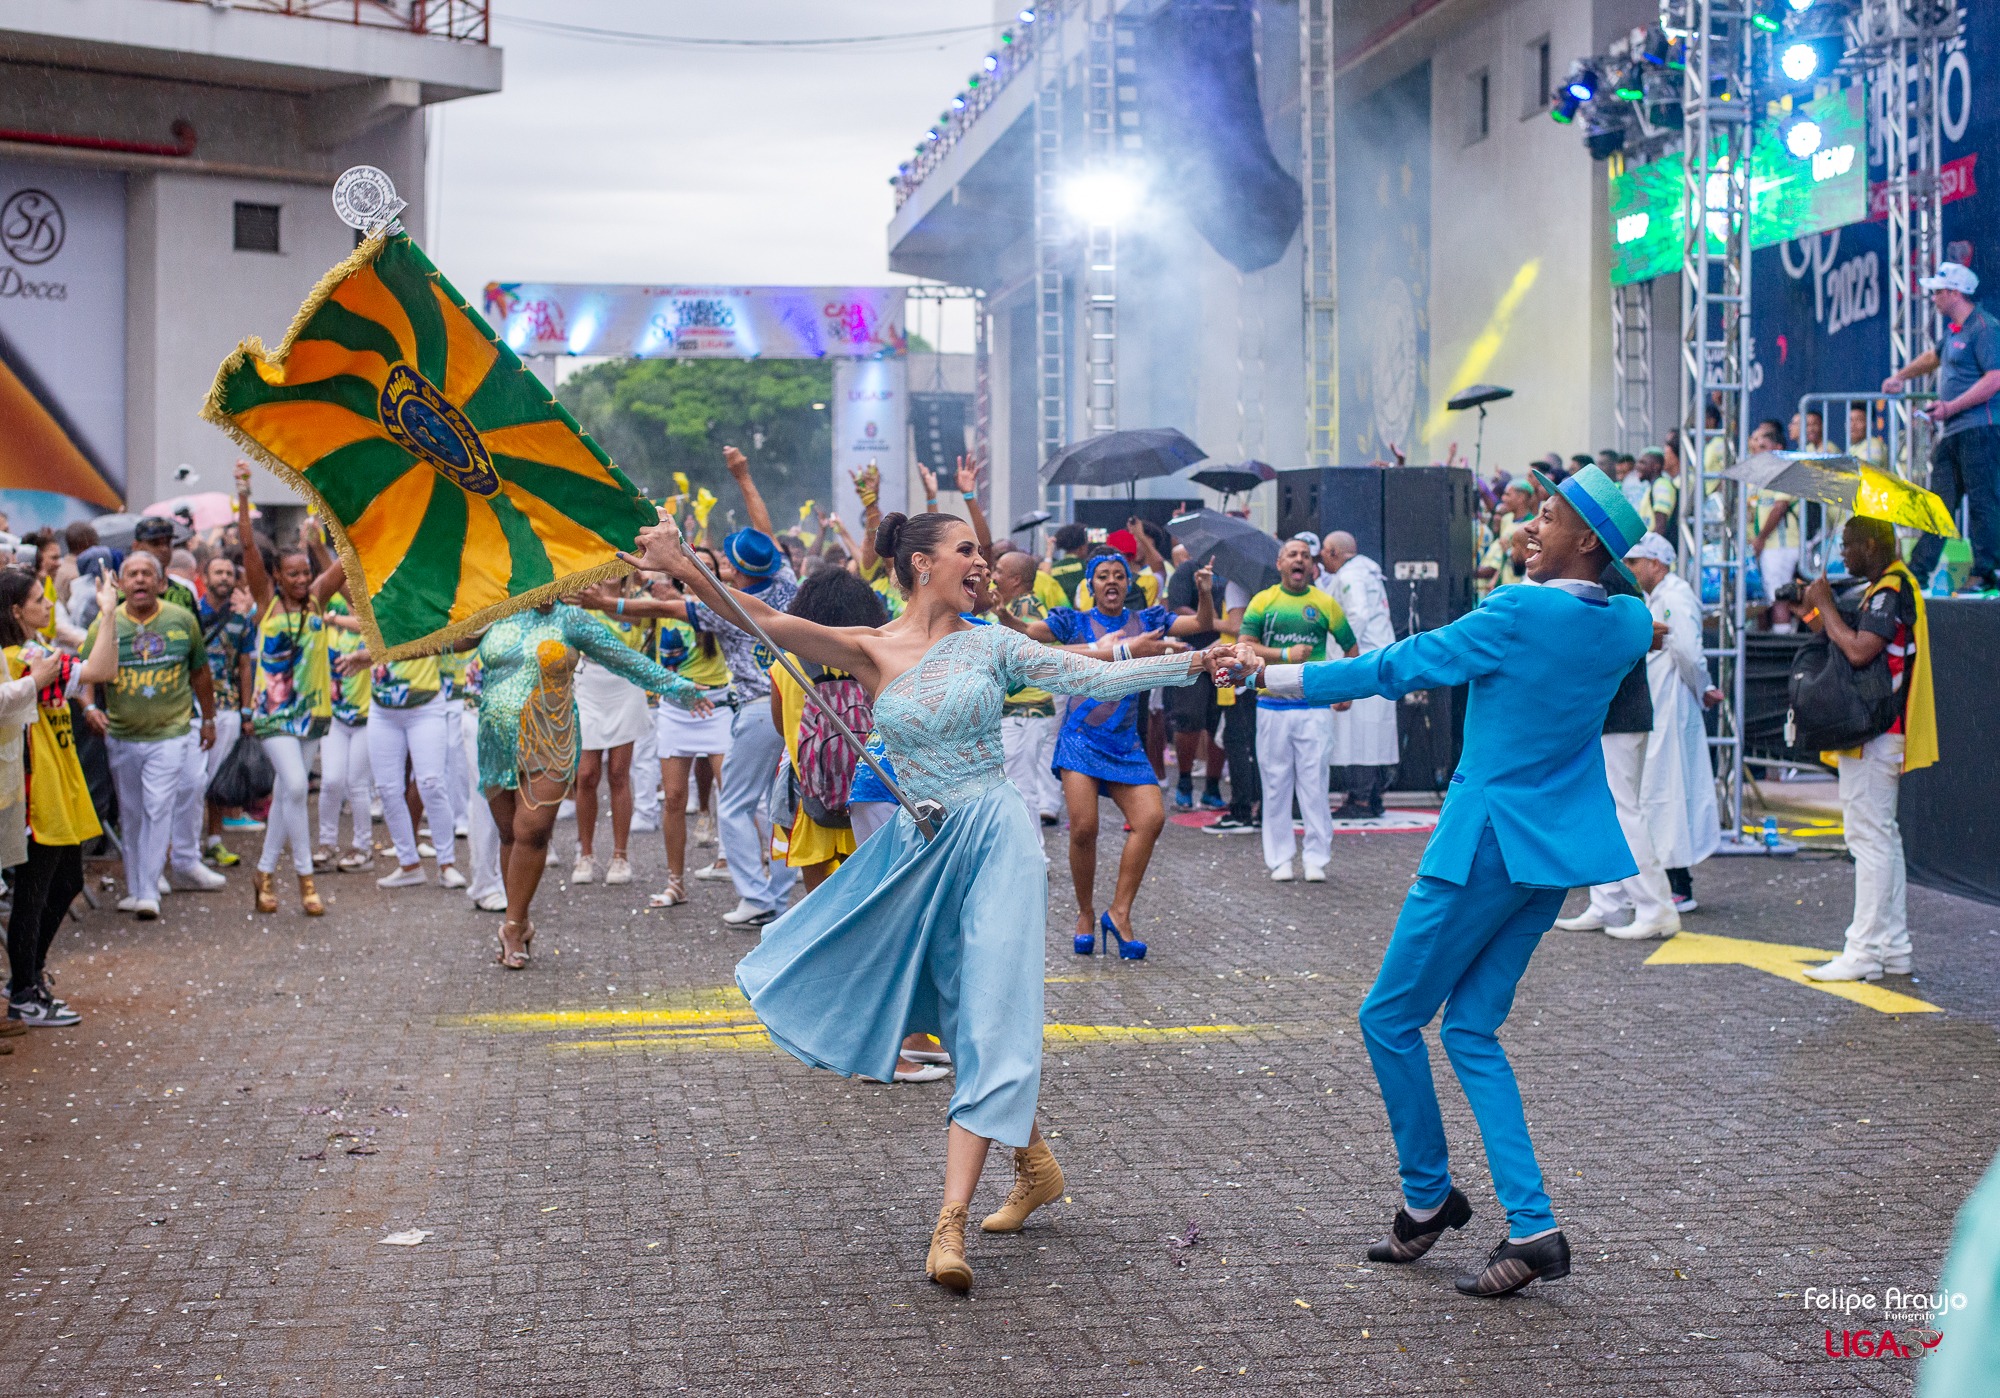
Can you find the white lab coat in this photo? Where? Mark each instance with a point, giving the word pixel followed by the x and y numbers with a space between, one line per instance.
pixel 1364 735
pixel 1677 795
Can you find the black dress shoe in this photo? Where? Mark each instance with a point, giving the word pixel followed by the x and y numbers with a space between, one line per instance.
pixel 1408 1239
pixel 1512 1266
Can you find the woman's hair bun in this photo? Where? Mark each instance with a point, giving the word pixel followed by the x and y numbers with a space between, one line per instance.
pixel 889 533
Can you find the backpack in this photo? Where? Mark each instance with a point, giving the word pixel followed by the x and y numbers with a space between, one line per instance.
pixel 826 763
pixel 1833 705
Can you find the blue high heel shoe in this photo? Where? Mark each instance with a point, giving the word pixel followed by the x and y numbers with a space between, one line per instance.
pixel 1086 943
pixel 1129 948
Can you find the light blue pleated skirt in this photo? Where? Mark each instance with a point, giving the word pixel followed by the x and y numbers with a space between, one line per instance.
pixel 944 938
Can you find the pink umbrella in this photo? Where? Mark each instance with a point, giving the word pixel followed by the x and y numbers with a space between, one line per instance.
pixel 211 509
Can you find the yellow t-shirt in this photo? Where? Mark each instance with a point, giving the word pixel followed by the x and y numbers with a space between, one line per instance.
pixel 1764 503
pixel 1049 592
pixel 59 809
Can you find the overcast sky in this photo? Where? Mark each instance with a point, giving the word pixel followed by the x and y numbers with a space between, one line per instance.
pixel 617 161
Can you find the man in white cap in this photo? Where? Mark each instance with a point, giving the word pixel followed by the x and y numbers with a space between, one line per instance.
pixel 1965 464
pixel 1677 787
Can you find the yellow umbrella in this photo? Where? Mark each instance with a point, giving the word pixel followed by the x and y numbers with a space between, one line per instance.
pixel 1848 484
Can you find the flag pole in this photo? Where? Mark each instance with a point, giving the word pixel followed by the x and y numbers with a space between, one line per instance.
pixel 926 814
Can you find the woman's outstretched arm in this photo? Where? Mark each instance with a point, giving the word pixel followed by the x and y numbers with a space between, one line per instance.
pixel 662 551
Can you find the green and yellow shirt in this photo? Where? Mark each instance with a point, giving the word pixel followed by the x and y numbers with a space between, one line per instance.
pixel 1278 618
pixel 153 696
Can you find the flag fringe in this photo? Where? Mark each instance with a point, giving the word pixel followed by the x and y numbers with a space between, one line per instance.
pixel 364 610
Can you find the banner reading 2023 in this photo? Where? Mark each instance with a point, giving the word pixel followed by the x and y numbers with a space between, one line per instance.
pixel 699 322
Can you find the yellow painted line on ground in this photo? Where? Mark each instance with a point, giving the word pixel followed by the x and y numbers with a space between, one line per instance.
pixel 1788 962
pixel 731 1025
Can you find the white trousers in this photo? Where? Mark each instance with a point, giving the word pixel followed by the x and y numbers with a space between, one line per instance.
pixel 457 773
pixel 1645 896
pixel 344 780
pixel 286 823
pixel 482 835
pixel 160 787
pixel 419 734
pixel 646 780
pixel 1291 757
pixel 1029 744
pixel 1868 787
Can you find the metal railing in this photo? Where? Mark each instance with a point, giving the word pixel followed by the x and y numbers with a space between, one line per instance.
pixel 1015 54
pixel 463 21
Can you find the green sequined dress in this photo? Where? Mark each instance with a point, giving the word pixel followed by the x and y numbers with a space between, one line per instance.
pixel 527 706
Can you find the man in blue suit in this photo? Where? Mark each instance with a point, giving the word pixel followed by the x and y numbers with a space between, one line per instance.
pixel 1528 817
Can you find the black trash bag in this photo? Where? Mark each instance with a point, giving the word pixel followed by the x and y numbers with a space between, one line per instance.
pixel 245 776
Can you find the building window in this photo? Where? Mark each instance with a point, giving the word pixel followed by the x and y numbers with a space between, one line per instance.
pixel 1539 78
pixel 257 227
pixel 1478 106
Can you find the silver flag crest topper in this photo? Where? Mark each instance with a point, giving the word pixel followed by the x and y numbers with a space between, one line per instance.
pixel 365 198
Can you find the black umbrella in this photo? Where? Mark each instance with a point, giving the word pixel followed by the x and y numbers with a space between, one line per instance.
pixel 1121 458
pixel 1031 520
pixel 1243 553
pixel 1235 480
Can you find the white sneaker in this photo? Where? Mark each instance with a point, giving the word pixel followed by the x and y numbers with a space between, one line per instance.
pixel 1898 965
pixel 1283 873
pixel 704 829
pixel 648 825
pixel 713 872
pixel 619 870
pixel 1848 966
pixel 404 878
pixel 460 830
pixel 128 904
pixel 748 914
pixel 1589 920
pixel 196 876
pixel 585 870
pixel 146 909
pixel 426 850
pixel 1636 931
pixel 1315 873
pixel 553 859
pixel 163 885
pixel 492 903
pixel 449 876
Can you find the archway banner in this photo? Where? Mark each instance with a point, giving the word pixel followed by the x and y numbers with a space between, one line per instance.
pixel 699 322
pixel 455 489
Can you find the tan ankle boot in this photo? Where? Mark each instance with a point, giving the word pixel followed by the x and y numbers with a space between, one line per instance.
pixel 267 898
pixel 1038 1180
pixel 309 898
pixel 947 1265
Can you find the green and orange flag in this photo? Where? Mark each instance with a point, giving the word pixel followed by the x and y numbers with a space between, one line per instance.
pixel 455 489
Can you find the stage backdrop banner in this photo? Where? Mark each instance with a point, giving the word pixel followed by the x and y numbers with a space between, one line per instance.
pixel 62 343
pixel 1820 304
pixel 699 322
pixel 455 488
pixel 871 422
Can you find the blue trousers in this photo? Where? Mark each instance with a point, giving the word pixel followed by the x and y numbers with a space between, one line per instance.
pixel 1462 947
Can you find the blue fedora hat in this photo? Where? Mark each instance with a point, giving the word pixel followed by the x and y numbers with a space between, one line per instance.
pixel 1604 508
pixel 754 553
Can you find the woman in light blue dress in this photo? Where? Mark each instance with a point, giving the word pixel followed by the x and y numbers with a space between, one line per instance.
pixel 945 935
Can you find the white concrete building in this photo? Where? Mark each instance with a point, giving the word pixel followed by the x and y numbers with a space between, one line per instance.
pixel 165 170
pixel 1463 228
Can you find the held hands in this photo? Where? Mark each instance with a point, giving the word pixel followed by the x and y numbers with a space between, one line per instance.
pixel 661 550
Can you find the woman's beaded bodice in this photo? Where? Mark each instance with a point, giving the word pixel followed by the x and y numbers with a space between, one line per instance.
pixel 940 719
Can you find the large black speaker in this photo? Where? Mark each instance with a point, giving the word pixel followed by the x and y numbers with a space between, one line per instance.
pixel 1420 524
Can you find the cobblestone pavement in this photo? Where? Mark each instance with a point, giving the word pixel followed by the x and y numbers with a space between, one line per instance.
pixel 627 1191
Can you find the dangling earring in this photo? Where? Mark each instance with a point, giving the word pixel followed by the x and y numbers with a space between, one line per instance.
pixel 923 578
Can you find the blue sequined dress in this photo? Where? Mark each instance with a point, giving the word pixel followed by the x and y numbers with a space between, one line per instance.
pixel 944 937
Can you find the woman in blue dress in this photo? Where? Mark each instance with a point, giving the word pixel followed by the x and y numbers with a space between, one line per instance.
pixel 1098 751
pixel 942 935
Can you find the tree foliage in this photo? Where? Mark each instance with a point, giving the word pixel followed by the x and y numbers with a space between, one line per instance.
pixel 659 416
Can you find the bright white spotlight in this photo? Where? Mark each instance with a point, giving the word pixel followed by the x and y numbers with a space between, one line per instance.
pixel 1800 62
pixel 1803 138
pixel 1800 6
pixel 1102 196
pixel 583 332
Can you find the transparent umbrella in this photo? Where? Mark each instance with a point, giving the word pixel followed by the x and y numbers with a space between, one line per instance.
pixel 1846 483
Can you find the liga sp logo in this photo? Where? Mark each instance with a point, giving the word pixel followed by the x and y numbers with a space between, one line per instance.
pixel 1866 1344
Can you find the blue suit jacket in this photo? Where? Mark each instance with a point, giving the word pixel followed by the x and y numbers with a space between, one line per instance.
pixel 1541 666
